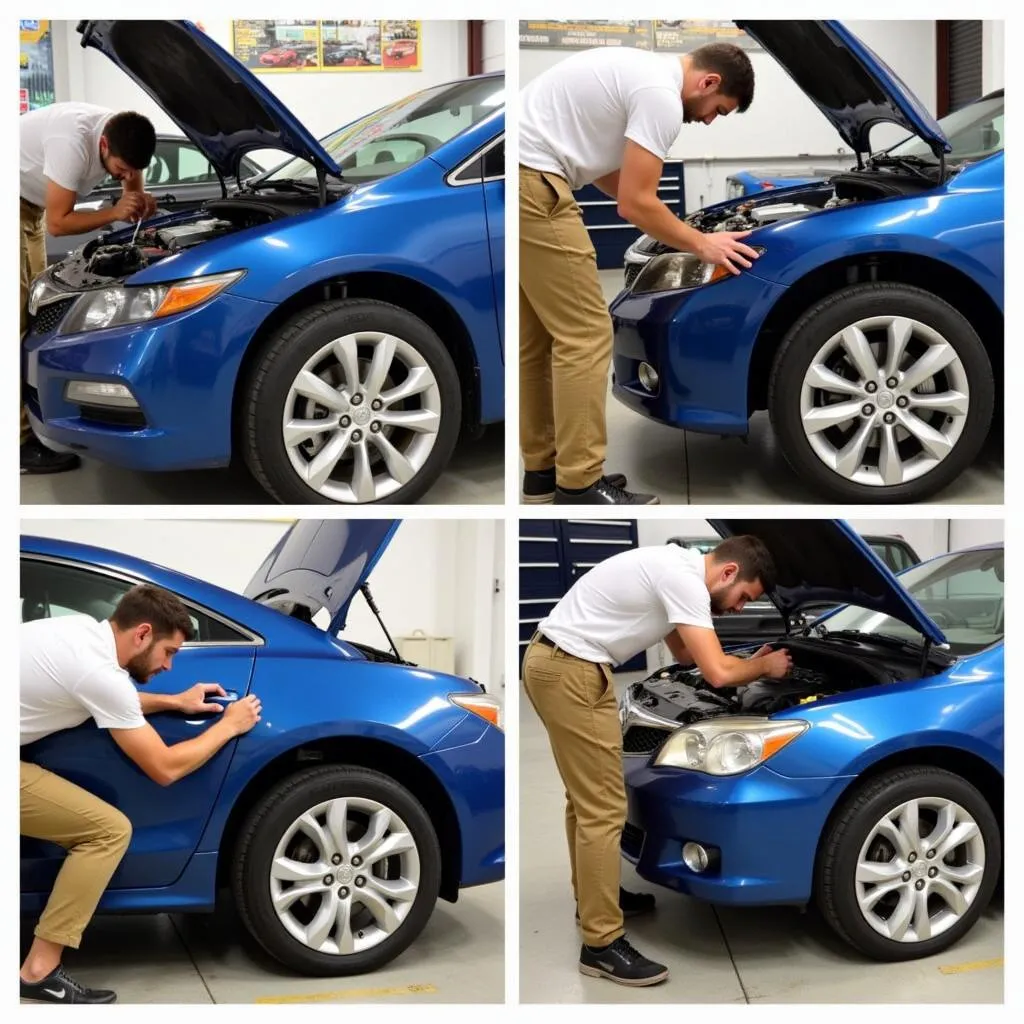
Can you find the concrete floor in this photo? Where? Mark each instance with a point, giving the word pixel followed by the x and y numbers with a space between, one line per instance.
pixel 682 467
pixel 475 476
pixel 458 958
pixel 715 955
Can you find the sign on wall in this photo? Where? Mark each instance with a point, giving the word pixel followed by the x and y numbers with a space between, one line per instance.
pixel 36 59
pixel 305 46
pixel 667 36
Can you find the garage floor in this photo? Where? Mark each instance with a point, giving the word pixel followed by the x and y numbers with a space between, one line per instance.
pixel 458 958
pixel 682 467
pixel 475 476
pixel 773 955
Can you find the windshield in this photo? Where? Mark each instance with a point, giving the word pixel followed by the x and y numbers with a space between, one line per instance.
pixel 961 593
pixel 974 132
pixel 403 133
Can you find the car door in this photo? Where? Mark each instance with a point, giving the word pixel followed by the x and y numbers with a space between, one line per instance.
pixel 494 203
pixel 167 822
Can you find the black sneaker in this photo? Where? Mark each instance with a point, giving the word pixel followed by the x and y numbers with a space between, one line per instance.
pixel 604 492
pixel 37 458
pixel 621 963
pixel 539 485
pixel 631 904
pixel 58 987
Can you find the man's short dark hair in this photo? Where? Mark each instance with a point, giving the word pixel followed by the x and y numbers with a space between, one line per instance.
pixel 160 608
pixel 733 65
pixel 132 138
pixel 753 558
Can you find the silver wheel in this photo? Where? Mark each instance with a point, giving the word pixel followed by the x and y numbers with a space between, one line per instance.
pixel 361 417
pixel 345 875
pixel 920 869
pixel 884 401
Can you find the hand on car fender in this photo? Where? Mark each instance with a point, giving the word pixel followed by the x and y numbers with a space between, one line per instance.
pixel 777 664
pixel 243 715
pixel 724 248
pixel 193 700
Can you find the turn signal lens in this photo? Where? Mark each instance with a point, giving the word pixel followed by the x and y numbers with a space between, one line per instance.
pixel 482 706
pixel 188 294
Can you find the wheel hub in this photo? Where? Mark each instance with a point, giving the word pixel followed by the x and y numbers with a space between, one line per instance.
pixel 345 875
pixel 361 415
pixel 886 399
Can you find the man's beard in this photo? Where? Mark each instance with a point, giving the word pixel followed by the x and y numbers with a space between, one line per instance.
pixel 140 669
pixel 718 605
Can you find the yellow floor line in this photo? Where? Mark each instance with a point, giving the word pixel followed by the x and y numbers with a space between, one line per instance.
pixel 350 993
pixel 973 965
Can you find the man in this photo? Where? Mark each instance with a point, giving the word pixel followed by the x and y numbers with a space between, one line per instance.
pixel 74 668
pixel 607 117
pixel 621 607
pixel 67 149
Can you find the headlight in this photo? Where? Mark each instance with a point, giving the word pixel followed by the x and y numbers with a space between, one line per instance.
pixel 40 291
pixel 673 271
pixel 727 747
pixel 482 706
pixel 121 304
pixel 735 189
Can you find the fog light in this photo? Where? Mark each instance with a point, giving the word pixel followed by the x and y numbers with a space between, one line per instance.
pixel 648 376
pixel 696 858
pixel 96 392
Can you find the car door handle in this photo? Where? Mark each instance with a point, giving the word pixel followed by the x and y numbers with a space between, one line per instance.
pixel 229 698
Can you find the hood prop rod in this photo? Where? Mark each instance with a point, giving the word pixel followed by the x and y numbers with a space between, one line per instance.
pixel 925 651
pixel 365 591
pixel 321 184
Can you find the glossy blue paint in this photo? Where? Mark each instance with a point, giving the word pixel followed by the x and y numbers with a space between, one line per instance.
pixel 314 687
pixel 767 823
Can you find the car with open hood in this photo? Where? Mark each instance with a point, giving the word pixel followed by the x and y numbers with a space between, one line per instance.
pixel 871 325
pixel 369 788
pixel 335 322
pixel 868 782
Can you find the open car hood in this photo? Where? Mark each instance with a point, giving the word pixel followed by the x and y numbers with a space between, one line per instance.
pixel 852 86
pixel 825 561
pixel 321 563
pixel 215 100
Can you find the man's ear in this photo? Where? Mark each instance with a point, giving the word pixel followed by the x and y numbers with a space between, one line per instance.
pixel 143 633
pixel 710 82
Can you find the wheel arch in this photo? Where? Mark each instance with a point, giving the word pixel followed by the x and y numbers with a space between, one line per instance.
pixel 932 275
pixel 357 752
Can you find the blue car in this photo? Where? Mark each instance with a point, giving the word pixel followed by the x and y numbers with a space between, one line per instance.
pixel 871 326
pixel 369 788
pixel 335 323
pixel 749 183
pixel 868 782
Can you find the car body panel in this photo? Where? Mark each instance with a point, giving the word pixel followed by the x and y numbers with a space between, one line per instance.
pixel 749 183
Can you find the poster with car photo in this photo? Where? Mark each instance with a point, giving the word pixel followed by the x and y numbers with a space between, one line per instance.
pixel 684 36
pixel 35 58
pixel 277 45
pixel 348 45
pixel 401 45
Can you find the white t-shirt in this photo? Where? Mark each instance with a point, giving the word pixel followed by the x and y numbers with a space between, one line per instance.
pixel 630 602
pixel 574 118
pixel 61 143
pixel 69 674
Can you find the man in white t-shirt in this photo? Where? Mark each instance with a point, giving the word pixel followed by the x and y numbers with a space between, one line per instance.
pixel 606 117
pixel 74 668
pixel 621 607
pixel 67 149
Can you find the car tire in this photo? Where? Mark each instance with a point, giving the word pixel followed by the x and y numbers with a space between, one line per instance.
pixel 270 820
pixel 268 388
pixel 802 345
pixel 842 846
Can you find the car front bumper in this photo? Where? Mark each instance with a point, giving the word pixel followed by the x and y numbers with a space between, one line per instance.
pixel 764 827
pixel 181 371
pixel 699 342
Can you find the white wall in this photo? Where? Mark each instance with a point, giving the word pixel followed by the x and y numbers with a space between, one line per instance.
pixel 436 575
pixel 993 68
pixel 494 45
pixel 783 129
pixel 322 101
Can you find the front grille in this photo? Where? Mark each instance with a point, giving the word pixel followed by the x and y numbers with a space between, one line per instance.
pixel 632 841
pixel 112 416
pixel 632 273
pixel 641 739
pixel 48 317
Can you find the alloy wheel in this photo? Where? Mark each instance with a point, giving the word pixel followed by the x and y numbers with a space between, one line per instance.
pixel 345 876
pixel 920 869
pixel 884 401
pixel 361 417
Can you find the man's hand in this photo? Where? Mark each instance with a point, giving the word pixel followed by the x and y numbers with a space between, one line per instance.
pixel 131 206
pixel 765 649
pixel 151 205
pixel 243 715
pixel 777 664
pixel 724 248
pixel 193 700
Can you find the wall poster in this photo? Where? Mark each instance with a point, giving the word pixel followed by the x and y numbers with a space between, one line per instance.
pixel 36 59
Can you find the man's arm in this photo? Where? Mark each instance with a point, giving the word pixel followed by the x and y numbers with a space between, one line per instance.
pixel 133 184
pixel 675 644
pixel 63 219
pixel 190 701
pixel 640 205
pixel 609 184
pixel 166 764
pixel 721 669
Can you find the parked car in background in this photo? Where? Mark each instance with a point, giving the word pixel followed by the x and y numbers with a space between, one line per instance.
pixel 179 176
pixel 868 782
pixel 749 183
pixel 400 48
pixel 342 55
pixel 871 326
pixel 369 788
pixel 336 323
pixel 760 620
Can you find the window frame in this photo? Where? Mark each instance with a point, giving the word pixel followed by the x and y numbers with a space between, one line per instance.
pixel 453 179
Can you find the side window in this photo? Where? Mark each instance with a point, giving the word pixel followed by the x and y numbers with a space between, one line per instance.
pixel 49 589
pixel 163 167
pixel 193 167
pixel 494 161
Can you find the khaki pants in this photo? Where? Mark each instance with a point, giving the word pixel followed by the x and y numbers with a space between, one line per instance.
pixel 32 237
pixel 565 335
pixel 95 835
pixel 576 702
